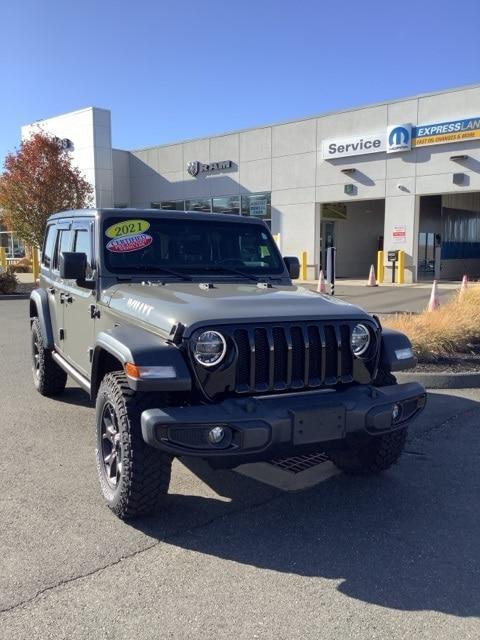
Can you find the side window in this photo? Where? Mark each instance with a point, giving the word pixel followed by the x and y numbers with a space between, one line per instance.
pixel 49 245
pixel 83 244
pixel 63 244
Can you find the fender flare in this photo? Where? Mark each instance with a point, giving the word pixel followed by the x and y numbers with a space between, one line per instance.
pixel 39 308
pixel 140 347
pixel 393 344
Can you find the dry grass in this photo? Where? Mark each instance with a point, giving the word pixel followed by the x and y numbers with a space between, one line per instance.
pixel 453 328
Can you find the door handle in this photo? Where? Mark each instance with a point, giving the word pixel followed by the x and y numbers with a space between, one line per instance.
pixel 51 290
pixel 94 311
pixel 65 298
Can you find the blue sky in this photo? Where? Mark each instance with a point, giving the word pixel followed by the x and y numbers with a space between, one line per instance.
pixel 183 69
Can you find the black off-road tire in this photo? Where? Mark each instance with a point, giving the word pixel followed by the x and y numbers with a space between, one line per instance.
pixel 378 453
pixel 48 377
pixel 141 485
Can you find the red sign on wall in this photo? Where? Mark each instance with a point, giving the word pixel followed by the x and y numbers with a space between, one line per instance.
pixel 399 233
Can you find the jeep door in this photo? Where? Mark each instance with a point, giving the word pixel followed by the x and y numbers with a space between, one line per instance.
pixel 78 302
pixel 58 239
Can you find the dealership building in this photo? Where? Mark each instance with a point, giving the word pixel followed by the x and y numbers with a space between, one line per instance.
pixel 399 175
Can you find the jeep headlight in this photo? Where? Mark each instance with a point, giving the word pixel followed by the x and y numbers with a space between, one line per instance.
pixel 360 339
pixel 209 348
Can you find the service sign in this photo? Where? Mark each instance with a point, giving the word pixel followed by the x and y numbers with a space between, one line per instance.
pixel 402 137
pixel 354 146
pixel 445 132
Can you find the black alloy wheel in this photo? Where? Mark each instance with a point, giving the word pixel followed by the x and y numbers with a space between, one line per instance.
pixel 111 446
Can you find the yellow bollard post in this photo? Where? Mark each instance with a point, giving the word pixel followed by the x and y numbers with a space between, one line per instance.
pixel 303 265
pixel 35 264
pixel 401 267
pixel 3 257
pixel 380 267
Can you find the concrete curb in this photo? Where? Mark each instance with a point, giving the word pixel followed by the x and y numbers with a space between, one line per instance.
pixel 15 296
pixel 442 379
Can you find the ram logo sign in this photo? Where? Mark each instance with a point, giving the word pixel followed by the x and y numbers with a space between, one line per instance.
pixel 195 167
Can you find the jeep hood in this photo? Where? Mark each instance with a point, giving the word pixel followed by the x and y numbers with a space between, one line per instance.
pixel 164 305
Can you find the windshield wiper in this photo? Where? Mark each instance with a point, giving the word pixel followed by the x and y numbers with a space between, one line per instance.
pixel 156 269
pixel 238 272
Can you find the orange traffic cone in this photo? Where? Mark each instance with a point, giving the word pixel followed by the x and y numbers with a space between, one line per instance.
pixel 464 286
pixel 321 286
pixel 372 281
pixel 434 302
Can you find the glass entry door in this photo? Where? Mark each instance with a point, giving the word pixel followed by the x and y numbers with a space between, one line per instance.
pixel 426 255
pixel 327 239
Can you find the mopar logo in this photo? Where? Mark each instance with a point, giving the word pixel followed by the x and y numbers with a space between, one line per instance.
pixel 194 167
pixel 399 138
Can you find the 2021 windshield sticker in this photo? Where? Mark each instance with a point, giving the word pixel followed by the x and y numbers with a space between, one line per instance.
pixel 126 244
pixel 128 235
pixel 127 228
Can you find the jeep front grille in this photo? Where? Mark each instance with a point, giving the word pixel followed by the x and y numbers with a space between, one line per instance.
pixel 292 356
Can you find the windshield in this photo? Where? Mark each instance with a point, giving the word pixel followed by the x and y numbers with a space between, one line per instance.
pixel 175 247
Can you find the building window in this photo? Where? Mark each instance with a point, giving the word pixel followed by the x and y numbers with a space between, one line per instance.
pixel 169 205
pixel 258 205
pixel 173 205
pixel 226 204
pixel 200 204
pixel 13 246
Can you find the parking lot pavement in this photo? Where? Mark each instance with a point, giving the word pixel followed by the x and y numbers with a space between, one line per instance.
pixel 396 556
pixel 390 298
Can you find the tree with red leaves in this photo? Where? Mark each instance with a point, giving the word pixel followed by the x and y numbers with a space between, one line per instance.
pixel 39 180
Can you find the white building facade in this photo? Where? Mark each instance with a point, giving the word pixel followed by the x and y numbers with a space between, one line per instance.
pixel 398 175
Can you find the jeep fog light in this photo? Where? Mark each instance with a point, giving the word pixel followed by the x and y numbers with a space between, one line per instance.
pixel 396 412
pixel 149 373
pixel 216 435
pixel 360 339
pixel 209 348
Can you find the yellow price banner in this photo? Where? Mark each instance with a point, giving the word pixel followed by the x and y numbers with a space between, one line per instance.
pixel 127 228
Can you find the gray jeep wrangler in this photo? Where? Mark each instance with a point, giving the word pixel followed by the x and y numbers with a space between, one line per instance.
pixel 187 332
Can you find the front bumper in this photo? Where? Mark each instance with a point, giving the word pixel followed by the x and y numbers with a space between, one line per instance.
pixel 264 427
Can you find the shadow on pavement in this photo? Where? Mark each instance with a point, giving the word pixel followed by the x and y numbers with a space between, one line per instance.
pixel 407 540
pixel 75 396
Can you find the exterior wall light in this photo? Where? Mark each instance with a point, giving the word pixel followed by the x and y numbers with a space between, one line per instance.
pixel 350 189
pixel 459 158
pixel 348 171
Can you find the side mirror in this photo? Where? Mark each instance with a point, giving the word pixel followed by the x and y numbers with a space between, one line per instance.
pixel 73 266
pixel 293 267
